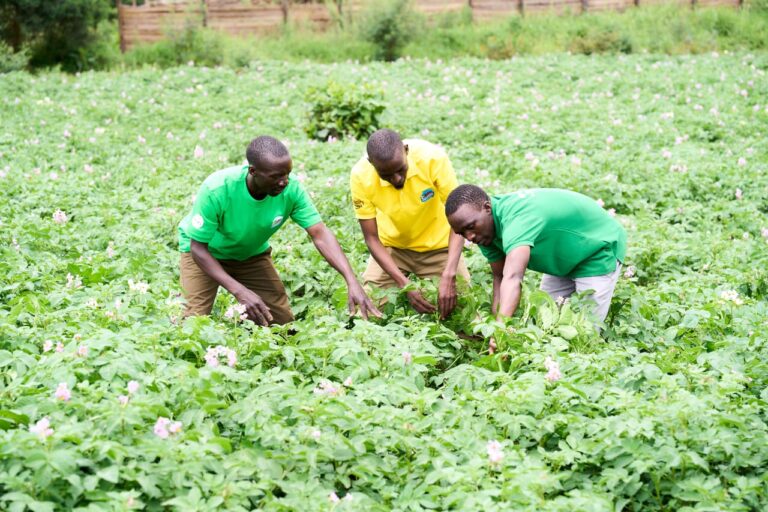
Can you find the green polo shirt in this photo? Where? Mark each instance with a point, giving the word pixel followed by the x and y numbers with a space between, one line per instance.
pixel 570 235
pixel 234 224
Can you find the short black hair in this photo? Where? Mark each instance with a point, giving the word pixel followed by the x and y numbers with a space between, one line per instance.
pixel 383 145
pixel 262 147
pixel 465 194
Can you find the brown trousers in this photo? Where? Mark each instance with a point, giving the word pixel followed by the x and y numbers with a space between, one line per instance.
pixel 257 273
pixel 422 264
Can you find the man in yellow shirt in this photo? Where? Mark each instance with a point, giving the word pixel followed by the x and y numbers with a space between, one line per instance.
pixel 399 191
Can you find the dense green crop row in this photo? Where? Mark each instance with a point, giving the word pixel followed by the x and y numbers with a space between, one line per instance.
pixel 666 412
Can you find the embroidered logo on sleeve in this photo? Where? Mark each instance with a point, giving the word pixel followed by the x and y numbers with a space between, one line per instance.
pixel 197 221
pixel 278 220
pixel 357 203
pixel 427 194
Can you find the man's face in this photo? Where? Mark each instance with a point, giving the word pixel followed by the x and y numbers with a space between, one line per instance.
pixel 394 171
pixel 271 177
pixel 473 223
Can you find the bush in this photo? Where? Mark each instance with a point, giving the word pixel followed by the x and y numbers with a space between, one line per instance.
pixel 338 110
pixel 191 43
pixel 389 26
pixel 12 61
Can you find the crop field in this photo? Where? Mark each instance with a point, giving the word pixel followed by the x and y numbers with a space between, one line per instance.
pixel 109 401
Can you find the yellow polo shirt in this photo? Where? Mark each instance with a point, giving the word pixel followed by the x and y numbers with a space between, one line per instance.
pixel 414 216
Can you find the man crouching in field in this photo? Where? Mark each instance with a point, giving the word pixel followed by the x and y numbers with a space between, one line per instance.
pixel 563 234
pixel 399 190
pixel 224 241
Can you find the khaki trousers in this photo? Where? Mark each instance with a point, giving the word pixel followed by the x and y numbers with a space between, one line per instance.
pixel 257 273
pixel 422 264
pixel 564 287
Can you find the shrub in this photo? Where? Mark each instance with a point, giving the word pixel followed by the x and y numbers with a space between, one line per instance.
pixel 191 43
pixel 338 110
pixel 389 26
pixel 10 60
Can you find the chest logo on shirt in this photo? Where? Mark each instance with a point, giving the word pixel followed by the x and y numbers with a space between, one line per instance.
pixel 277 221
pixel 427 194
pixel 358 203
pixel 197 221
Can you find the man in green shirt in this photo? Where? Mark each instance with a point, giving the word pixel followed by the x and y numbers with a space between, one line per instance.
pixel 224 241
pixel 563 234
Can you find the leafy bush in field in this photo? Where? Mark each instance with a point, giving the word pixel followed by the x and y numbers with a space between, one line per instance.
pixel 388 27
pixel 343 109
pixel 12 61
pixel 189 44
pixel 108 401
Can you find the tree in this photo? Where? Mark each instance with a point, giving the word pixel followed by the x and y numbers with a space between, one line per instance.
pixel 55 31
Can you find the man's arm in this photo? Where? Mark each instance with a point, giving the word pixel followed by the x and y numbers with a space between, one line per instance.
pixel 511 282
pixel 446 295
pixel 371 235
pixel 497 268
pixel 329 248
pixel 254 306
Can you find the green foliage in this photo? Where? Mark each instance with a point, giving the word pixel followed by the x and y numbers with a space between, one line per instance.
pixel 665 411
pixel 188 44
pixel 57 33
pixel 389 25
pixel 338 110
pixel 12 61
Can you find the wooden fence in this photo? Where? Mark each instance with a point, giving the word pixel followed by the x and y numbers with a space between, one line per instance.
pixel 151 21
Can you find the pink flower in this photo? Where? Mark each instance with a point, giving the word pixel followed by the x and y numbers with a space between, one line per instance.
pixel 612 212
pixel 213 353
pixel 161 427
pixel 47 346
pixel 123 399
pixel 175 427
pixel 333 498
pixel 141 140
pixel 600 203
pixel 327 387
pixel 739 193
pixel 665 153
pixel 407 358
pixel 495 452
pixel 88 168
pixel 42 428
pixel 133 387
pixel 62 392
pixel 199 152
pixel 348 381
pixel 553 370
pixel 764 232
pixel 59 217
pixel 82 351
pixel 236 312
pixel 59 346
pixel 609 140
pixel 315 434
pixel 742 162
pixel 629 272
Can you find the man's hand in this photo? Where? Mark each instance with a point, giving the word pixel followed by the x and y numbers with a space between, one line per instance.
pixel 357 298
pixel 254 306
pixel 419 303
pixel 446 296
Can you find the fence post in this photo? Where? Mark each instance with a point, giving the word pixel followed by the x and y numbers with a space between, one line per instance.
pixel 121 25
pixel 584 5
pixel 284 7
pixel 204 7
pixel 521 7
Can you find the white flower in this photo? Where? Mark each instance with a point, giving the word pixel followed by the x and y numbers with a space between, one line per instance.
pixel 326 387
pixel 213 353
pixel 333 498
pixel 609 140
pixel 742 162
pixel 732 296
pixel 738 194
pixel 59 217
pixel 82 351
pixel 199 152
pixel 62 392
pixel 495 452
pixel 407 358
pixel 315 434
pixel 47 346
pixel 42 428
pixel 348 381
pixel 123 399
pixel 629 272
pixel 139 286
pixel 553 370
pixel 133 387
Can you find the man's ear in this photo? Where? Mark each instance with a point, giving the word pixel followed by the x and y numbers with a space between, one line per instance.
pixel 487 206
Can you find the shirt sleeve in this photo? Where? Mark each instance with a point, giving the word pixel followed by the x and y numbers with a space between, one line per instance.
pixel 304 213
pixel 364 207
pixel 525 230
pixel 443 175
pixel 492 253
pixel 206 212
